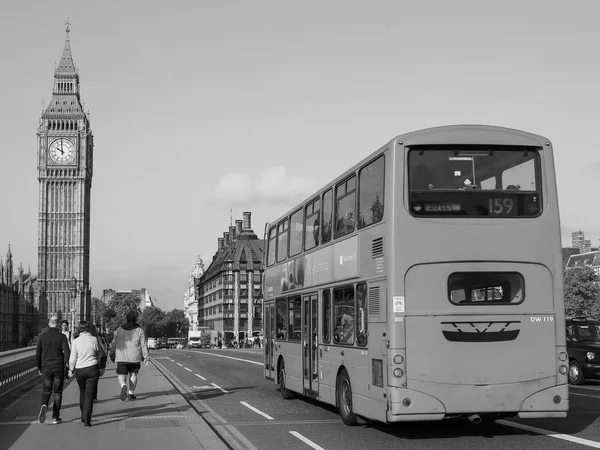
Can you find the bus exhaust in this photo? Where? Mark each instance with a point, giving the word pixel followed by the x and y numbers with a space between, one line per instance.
pixel 475 418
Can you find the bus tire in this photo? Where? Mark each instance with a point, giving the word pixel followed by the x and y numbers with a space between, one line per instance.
pixel 575 373
pixel 344 392
pixel 285 392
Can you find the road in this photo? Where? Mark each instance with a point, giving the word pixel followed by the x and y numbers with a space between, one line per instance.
pixel 227 387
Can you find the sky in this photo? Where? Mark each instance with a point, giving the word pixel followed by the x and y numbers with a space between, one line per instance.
pixel 202 107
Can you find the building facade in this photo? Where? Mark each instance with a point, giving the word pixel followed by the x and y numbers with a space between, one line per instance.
pixel 579 241
pixel 65 161
pixel 190 301
pixel 229 293
pixel 21 319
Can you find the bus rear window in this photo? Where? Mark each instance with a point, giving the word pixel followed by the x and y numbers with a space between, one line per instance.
pixel 474 181
pixel 486 288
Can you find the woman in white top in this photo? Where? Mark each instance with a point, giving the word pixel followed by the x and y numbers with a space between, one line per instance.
pixel 84 362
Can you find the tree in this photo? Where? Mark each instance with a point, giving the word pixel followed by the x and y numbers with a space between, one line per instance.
pixel 121 304
pixel 176 323
pixel 581 292
pixel 100 311
pixel 152 321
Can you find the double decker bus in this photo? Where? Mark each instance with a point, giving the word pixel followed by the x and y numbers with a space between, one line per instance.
pixel 424 283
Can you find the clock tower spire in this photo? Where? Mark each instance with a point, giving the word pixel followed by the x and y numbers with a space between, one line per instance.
pixel 64 160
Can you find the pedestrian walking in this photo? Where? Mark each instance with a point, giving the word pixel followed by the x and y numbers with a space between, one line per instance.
pixel 64 329
pixel 52 358
pixel 85 365
pixel 129 348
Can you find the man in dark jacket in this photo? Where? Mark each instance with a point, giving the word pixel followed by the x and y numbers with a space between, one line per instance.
pixel 52 359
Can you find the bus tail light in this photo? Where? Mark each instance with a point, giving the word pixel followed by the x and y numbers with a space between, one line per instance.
pixel 562 368
pixel 397 368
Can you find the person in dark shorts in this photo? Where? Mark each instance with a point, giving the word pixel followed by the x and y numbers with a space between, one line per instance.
pixel 52 358
pixel 129 349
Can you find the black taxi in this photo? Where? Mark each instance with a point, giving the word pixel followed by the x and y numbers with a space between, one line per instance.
pixel 583 347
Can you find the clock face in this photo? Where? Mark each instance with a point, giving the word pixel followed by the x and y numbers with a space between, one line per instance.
pixel 62 151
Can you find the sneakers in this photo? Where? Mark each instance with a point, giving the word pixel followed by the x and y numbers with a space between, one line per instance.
pixel 123 395
pixel 42 414
pixel 56 420
pixel 132 397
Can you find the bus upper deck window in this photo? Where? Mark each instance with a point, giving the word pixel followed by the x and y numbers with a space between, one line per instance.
pixel 474 181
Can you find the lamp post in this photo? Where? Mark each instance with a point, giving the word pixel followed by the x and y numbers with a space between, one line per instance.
pixel 73 297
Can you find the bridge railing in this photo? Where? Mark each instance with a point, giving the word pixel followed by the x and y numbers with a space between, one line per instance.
pixel 16 366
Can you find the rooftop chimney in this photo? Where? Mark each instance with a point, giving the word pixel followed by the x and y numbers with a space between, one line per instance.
pixel 247 224
pixel 238 227
pixel 221 243
pixel 232 236
pixel 226 238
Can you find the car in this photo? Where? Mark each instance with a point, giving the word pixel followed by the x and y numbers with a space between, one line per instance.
pixel 583 347
pixel 152 343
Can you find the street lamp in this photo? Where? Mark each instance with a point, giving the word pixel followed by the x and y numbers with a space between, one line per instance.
pixel 73 297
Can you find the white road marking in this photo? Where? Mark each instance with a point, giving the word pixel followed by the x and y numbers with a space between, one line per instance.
pixel 231 357
pixel 179 364
pixel 306 441
pixel 189 370
pixel 200 376
pixel 257 411
pixel 583 395
pixel 564 437
pixel 220 388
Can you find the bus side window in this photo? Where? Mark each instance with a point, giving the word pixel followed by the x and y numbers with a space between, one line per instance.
pixel 311 225
pixel 296 232
pixel 326 316
pixel 361 311
pixel 326 223
pixel 344 314
pixel 281 322
pixel 282 240
pixel 272 244
pixel 370 193
pixel 345 203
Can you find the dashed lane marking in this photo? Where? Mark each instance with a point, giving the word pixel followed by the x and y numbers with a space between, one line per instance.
pixel 306 440
pixel 219 388
pixel 200 376
pixel 564 437
pixel 231 357
pixel 179 364
pixel 256 410
pixel 189 370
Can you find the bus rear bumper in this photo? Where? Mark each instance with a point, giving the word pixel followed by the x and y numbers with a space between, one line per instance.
pixel 552 402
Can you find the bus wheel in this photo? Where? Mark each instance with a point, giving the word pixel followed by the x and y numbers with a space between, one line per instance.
pixel 575 373
pixel 285 393
pixel 345 399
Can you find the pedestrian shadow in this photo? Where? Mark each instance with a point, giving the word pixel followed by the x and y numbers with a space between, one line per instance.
pixel 136 413
pixel 212 392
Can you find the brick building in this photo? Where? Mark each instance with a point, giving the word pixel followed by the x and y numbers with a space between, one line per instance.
pixel 229 292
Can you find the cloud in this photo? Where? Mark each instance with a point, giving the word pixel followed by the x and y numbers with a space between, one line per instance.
pixel 272 186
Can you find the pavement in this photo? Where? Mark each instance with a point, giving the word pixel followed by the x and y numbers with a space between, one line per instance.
pixel 160 417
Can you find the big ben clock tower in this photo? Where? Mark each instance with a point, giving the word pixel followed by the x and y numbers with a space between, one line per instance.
pixel 65 155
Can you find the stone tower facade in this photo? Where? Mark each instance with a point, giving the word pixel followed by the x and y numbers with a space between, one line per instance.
pixel 65 158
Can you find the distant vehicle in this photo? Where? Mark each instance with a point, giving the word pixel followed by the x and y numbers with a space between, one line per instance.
pixel 162 342
pixel 583 347
pixel 176 342
pixel 152 344
pixel 194 339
